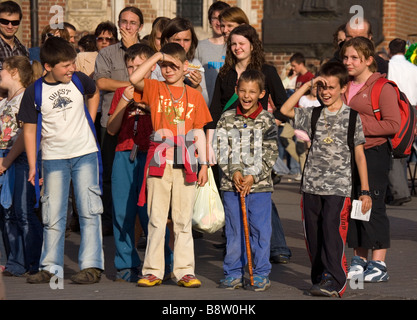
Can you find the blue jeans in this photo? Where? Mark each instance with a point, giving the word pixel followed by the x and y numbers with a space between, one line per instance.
pixel 21 225
pixel 258 208
pixel 83 171
pixel 4 246
pixel 127 178
pixel 278 243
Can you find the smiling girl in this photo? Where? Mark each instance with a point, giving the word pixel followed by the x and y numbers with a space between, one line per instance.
pixel 244 52
pixel 358 57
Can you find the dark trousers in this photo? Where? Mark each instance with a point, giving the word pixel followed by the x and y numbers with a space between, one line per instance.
pixel 375 233
pixel 325 220
pixel 108 150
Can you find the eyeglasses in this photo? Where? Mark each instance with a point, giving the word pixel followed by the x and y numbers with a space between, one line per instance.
pixel 108 39
pixel 131 23
pixel 6 22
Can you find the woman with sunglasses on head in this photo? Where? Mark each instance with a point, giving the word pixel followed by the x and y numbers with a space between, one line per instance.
pixel 89 46
pixel 106 34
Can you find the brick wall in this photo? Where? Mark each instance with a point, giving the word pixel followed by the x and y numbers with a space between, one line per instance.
pixel 399 21
pixel 43 15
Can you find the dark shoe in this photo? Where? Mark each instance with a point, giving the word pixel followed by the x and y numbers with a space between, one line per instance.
pixel 326 287
pixel 7 273
pixel 87 276
pixel 399 202
pixel 42 276
pixel 281 258
pixel 276 178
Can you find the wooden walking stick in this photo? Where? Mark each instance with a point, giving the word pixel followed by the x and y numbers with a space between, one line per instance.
pixel 247 241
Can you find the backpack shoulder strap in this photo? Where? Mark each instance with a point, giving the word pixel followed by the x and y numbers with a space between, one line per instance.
pixel 76 80
pixel 38 94
pixel 314 118
pixel 375 93
pixel 353 114
pixel 38 104
pixel 351 129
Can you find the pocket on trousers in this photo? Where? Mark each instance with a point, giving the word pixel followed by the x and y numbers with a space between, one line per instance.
pixel 44 200
pixel 95 204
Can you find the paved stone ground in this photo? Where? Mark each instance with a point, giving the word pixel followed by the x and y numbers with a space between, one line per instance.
pixel 289 282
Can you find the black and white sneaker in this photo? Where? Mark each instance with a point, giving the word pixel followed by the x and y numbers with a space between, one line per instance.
pixel 325 288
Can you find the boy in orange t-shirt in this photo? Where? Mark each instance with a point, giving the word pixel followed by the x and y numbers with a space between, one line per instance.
pixel 179 114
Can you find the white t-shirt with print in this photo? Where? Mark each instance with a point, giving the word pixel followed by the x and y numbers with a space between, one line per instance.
pixel 65 130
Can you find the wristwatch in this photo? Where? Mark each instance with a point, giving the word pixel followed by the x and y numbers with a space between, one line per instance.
pixel 204 163
pixel 365 193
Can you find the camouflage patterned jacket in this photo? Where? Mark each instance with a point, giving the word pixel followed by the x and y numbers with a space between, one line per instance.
pixel 248 145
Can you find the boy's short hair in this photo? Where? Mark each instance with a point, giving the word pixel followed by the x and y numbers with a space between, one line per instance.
pixel 56 50
pixel 335 69
pixel 138 49
pixel 254 76
pixel 11 7
pixel 176 50
pixel 298 58
pixel 397 46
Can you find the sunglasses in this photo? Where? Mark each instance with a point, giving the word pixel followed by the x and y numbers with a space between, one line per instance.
pixel 6 22
pixel 101 39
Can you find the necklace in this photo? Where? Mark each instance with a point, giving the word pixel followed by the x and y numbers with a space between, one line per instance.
pixel 174 101
pixel 15 94
pixel 329 139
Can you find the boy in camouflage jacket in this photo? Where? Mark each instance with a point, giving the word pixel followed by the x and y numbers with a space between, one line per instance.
pixel 247 151
pixel 327 183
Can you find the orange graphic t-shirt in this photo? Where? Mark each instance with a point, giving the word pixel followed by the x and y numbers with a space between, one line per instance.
pixel 170 117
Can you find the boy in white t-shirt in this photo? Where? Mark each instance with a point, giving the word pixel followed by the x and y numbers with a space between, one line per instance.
pixel 69 153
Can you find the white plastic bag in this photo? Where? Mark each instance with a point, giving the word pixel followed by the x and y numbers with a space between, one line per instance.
pixel 208 215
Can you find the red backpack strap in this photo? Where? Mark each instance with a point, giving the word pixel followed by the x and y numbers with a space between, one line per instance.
pixel 375 93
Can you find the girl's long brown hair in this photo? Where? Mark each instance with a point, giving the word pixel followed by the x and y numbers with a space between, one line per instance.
pixel 257 59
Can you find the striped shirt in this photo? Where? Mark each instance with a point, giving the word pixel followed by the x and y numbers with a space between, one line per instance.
pixel 6 51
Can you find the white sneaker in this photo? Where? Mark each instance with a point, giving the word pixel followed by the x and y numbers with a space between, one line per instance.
pixel 357 267
pixel 376 271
